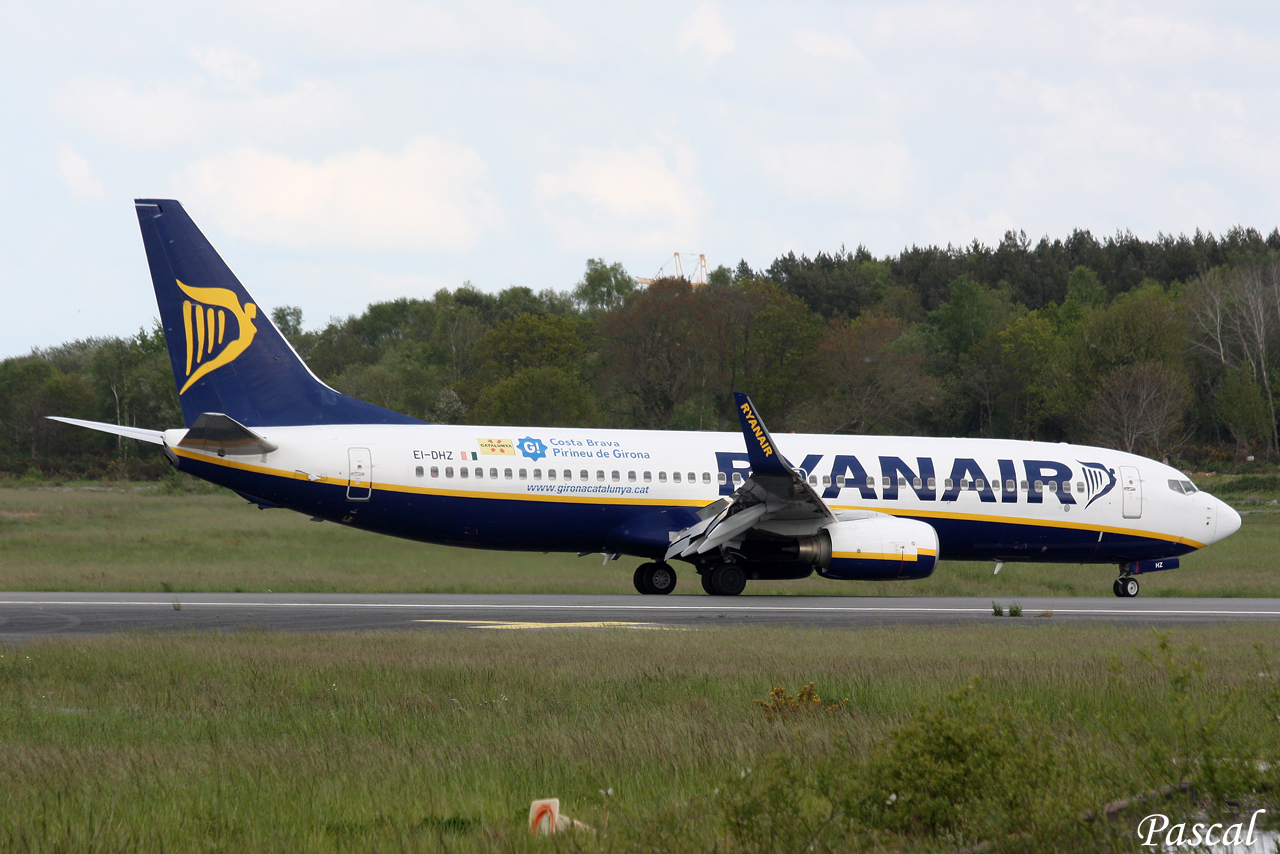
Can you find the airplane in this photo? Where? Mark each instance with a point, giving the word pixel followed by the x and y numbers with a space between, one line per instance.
pixel 734 508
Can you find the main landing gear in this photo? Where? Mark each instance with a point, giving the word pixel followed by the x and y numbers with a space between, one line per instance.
pixel 723 579
pixel 1126 587
pixel 655 578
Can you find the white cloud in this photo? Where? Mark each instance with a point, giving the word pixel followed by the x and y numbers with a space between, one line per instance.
pixel 75 171
pixel 875 175
pixel 228 65
pixel 707 34
pixel 430 196
pixel 377 29
pixel 637 198
pixel 827 46
pixel 174 113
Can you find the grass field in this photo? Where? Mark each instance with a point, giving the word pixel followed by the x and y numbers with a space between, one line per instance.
pixel 439 739
pixel 143 538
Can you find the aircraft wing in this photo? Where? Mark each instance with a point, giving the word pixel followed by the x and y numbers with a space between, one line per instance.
pixel 774 498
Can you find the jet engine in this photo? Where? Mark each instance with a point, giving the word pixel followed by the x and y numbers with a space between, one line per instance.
pixel 876 548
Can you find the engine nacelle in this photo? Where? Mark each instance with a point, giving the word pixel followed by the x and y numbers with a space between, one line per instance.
pixel 879 548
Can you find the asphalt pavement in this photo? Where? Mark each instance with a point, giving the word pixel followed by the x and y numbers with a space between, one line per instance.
pixel 30 615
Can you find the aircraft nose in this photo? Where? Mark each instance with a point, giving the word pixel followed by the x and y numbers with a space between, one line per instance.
pixel 1228 521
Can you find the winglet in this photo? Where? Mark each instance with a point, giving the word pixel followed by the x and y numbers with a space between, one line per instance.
pixel 761 451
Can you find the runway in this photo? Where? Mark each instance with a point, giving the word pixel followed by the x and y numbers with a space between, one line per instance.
pixel 30 615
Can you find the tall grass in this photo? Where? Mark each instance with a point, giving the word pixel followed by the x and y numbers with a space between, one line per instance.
pixel 438 740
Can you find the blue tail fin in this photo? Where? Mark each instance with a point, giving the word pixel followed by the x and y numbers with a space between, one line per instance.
pixel 227 355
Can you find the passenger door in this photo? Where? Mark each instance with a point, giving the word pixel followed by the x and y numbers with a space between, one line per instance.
pixel 1132 485
pixel 359 474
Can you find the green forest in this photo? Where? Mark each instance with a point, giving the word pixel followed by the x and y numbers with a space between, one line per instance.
pixel 1167 348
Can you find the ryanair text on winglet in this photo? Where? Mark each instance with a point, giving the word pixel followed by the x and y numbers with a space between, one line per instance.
pixel 755 428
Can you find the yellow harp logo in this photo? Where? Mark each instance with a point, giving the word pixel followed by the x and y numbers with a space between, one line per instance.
pixel 204 320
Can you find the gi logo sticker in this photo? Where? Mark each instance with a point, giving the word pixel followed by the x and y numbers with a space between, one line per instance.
pixel 532 448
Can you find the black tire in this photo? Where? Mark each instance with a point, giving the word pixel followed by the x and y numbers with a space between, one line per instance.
pixel 1130 586
pixel 654 579
pixel 706 583
pixel 727 580
pixel 662 578
pixel 1115 587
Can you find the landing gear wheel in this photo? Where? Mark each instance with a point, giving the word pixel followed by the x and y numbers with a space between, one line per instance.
pixel 1115 587
pixel 706 583
pixel 726 580
pixel 1130 587
pixel 654 578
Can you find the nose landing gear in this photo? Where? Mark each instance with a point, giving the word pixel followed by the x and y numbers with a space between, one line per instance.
pixel 1126 587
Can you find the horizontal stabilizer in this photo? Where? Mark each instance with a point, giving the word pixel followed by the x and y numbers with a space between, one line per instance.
pixel 155 437
pixel 220 434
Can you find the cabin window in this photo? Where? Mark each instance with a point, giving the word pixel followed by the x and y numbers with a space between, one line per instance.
pixel 1010 486
pixel 662 477
pixel 584 475
pixel 693 477
pixel 648 477
pixel 980 484
pixel 706 476
pixel 506 473
pixel 915 483
pixel 1066 486
pixel 462 472
pixel 524 474
pixel 948 484
pixel 435 471
pixel 1176 486
pixel 933 483
pixel 1039 486
pixel 617 475
pixel 568 475
pixel 551 474
pixel 631 477
pixel 1024 486
pixel 1080 486
pixel 871 482
pixel 737 479
pixel 885 481
pixel 599 475
pixel 479 472
pixel 813 480
pixel 493 473
pixel 1189 487
pixel 826 480
pixel 840 480
pixel 720 478
pixel 902 482
pixel 448 471
pixel 1053 486
pixel 418 471
pixel 675 477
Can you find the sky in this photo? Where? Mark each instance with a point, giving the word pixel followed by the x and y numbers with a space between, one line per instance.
pixel 338 154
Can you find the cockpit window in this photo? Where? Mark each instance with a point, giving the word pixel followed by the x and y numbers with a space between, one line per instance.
pixel 1188 487
pixel 1176 486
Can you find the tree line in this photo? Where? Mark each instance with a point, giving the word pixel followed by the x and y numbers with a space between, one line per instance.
pixel 1168 347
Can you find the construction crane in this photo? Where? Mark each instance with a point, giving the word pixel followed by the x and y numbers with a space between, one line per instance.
pixel 700 274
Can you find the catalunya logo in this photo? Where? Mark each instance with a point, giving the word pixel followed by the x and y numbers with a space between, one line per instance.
pixel 206 317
